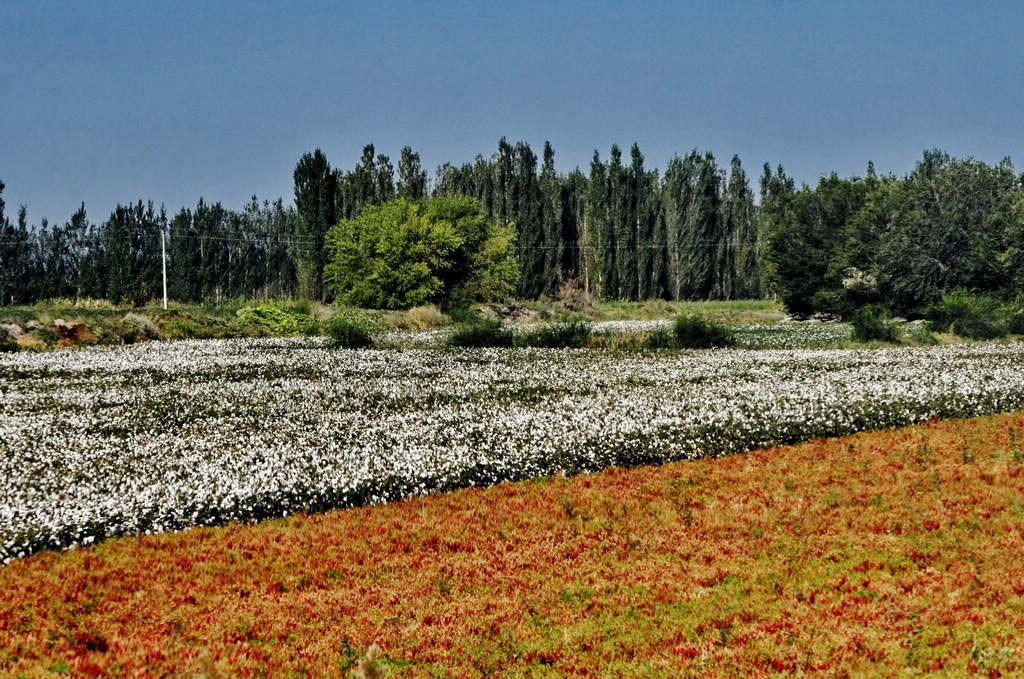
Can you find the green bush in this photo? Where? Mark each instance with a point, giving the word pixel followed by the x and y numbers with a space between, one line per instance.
pixel 871 324
pixel 137 328
pixel 347 330
pixel 967 315
pixel 279 321
pixel 661 338
pixel 574 334
pixel 1015 322
pixel 406 253
pixel 480 333
pixel 464 315
pixel 181 328
pixel 697 332
pixel 7 343
pixel 922 334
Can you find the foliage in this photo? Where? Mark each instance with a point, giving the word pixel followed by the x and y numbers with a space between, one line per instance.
pixel 624 231
pixel 943 236
pixel 697 332
pixel 315 189
pixel 682 569
pixel 480 333
pixel 136 328
pixel 574 297
pixel 871 324
pixel 574 334
pixel 968 315
pixel 1015 320
pixel 7 343
pixel 278 321
pixel 807 235
pixel 408 253
pixel 417 318
pixel 920 333
pixel 181 328
pixel 349 329
pixel 900 242
pixel 661 337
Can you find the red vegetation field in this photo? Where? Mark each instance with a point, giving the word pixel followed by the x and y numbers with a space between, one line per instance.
pixel 894 553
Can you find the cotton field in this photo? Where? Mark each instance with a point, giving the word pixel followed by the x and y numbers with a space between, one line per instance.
pixel 161 436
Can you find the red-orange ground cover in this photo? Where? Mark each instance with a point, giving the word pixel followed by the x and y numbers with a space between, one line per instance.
pixel 889 553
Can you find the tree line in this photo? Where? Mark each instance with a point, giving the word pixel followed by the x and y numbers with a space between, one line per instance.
pixel 900 242
pixel 620 230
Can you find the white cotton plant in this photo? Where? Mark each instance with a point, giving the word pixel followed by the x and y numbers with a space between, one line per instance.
pixel 163 436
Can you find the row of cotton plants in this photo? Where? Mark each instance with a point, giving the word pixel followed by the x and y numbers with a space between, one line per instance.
pixel 162 436
pixel 784 335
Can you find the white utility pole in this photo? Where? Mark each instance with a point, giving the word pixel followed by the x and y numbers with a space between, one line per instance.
pixel 163 261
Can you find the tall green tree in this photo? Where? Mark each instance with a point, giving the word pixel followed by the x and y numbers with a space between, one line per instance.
pixel 692 195
pixel 777 192
pixel 412 179
pixel 596 238
pixel 741 232
pixel 621 270
pixel 643 210
pixel 943 235
pixel 524 204
pixel 132 249
pixel 552 216
pixel 315 188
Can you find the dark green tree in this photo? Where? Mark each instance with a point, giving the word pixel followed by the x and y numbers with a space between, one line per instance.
pixel 596 238
pixel 315 188
pixel 944 236
pixel 552 216
pixel 524 202
pixel 741 231
pixel 412 179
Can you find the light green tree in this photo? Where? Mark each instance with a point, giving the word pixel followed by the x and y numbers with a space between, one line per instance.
pixel 404 253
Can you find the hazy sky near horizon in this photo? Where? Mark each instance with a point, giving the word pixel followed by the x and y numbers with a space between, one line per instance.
pixel 107 102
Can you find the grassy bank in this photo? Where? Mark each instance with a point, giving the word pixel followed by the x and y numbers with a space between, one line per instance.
pixel 58 323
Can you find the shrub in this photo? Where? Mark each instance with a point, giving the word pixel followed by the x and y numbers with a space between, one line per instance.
pixel 137 328
pixel 661 338
pixel 574 334
pixel 346 329
pixel 181 328
pixel 871 324
pixel 465 315
pixel 7 343
pixel 697 332
pixel 1015 322
pixel 920 333
pixel 480 333
pixel 279 321
pixel 425 317
pixel 967 315
pixel 574 297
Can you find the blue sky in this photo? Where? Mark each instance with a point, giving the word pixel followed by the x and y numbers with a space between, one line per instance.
pixel 108 102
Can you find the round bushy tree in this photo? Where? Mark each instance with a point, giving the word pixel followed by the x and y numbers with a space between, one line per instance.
pixel 405 253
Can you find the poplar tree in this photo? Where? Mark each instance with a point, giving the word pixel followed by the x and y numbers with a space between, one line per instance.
pixel 412 179
pixel 315 188
pixel 598 253
pixel 525 206
pixel 741 231
pixel 552 217
pixel 574 202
